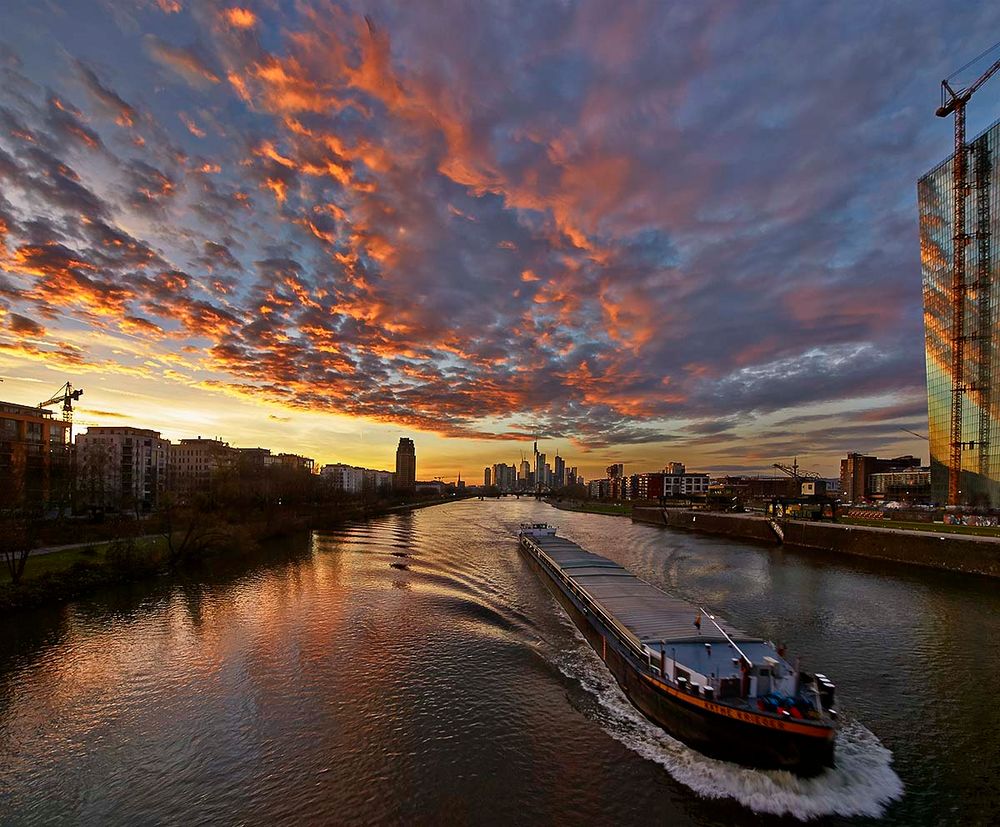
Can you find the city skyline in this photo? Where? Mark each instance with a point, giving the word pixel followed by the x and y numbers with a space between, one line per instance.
pixel 301 227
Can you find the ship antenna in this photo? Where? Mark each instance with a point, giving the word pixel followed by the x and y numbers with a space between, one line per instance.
pixel 726 636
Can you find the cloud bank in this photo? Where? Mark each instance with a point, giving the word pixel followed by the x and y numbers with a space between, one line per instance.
pixel 603 223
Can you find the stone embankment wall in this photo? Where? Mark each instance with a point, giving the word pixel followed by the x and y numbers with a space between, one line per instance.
pixel 976 555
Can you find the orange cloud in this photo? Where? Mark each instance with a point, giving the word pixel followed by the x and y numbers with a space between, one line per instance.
pixel 278 187
pixel 240 18
pixel 192 127
pixel 285 86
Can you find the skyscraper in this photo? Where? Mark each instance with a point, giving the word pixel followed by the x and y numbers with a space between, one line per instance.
pixel 979 482
pixel 505 476
pixel 559 472
pixel 406 465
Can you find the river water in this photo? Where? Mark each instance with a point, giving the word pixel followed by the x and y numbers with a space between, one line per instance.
pixel 414 670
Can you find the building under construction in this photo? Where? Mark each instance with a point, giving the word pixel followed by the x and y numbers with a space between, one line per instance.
pixel 961 322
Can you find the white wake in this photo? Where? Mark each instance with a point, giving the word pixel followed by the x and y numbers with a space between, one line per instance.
pixel 862 784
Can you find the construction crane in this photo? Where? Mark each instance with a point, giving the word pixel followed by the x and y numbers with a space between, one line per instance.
pixel 67 396
pixel 794 472
pixel 953 102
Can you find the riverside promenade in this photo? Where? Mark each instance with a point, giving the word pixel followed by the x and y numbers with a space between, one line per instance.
pixel 952 552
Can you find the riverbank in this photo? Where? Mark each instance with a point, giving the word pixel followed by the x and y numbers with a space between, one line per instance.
pixel 951 552
pixel 58 575
pixel 607 509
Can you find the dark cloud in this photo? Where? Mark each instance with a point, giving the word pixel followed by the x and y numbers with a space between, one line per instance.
pixel 109 101
pixel 186 62
pixel 50 182
pixel 218 257
pixel 148 189
pixel 23 326
pixel 66 124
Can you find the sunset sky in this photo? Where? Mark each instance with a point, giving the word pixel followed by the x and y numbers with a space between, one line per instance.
pixel 643 231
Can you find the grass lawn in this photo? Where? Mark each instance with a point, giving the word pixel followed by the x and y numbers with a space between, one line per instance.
pixel 937 528
pixel 601 508
pixel 40 564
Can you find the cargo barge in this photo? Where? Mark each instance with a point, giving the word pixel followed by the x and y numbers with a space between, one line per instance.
pixel 721 691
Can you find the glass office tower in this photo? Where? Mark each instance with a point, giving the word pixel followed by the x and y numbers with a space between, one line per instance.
pixel 981 369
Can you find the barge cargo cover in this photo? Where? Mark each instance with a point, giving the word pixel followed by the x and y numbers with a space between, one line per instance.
pixel 727 693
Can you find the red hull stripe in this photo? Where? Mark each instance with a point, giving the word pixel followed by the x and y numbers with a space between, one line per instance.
pixel 826 733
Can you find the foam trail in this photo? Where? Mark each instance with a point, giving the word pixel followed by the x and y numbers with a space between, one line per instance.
pixel 862 784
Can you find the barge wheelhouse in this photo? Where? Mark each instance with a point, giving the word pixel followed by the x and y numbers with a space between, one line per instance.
pixel 728 694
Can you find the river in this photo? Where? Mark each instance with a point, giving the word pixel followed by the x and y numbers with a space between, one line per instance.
pixel 414 670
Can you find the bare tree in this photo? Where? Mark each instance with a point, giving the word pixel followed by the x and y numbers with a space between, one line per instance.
pixel 17 535
pixel 189 529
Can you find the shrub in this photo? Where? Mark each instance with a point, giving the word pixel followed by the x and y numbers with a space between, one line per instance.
pixel 125 556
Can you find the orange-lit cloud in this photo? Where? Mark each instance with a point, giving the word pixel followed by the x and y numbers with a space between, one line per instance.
pixel 240 18
pixel 192 127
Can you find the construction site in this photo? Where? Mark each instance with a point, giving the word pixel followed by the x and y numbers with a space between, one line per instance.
pixel 958 208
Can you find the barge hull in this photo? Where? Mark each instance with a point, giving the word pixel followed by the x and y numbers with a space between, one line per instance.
pixel 688 719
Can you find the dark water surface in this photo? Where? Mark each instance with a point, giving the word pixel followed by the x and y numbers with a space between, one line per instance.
pixel 414 670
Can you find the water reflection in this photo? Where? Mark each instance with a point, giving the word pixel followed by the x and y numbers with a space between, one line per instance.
pixel 414 669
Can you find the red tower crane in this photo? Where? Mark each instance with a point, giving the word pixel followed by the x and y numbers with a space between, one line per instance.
pixel 954 101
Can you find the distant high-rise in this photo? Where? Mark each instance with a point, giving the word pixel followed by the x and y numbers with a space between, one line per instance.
pixel 487 476
pixel 505 476
pixel 539 468
pixel 856 471
pixel 979 482
pixel 406 465
pixel 559 472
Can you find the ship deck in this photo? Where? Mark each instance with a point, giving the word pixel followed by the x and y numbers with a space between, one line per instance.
pixel 650 616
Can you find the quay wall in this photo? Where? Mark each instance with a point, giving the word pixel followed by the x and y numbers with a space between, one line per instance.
pixel 970 554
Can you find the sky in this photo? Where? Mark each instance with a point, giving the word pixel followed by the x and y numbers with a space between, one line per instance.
pixel 643 232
